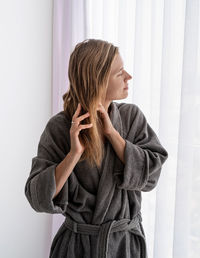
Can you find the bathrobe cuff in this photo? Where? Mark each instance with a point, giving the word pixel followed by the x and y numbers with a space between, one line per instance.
pixel 144 156
pixel 141 170
pixel 41 192
pixel 41 184
pixel 135 163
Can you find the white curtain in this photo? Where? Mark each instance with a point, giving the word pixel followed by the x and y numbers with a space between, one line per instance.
pixel 69 25
pixel 159 41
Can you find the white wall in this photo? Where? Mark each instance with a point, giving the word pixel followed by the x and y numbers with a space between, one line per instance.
pixel 25 107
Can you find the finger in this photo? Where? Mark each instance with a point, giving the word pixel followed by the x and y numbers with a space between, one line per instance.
pixel 100 107
pixel 85 126
pixel 77 111
pixel 80 118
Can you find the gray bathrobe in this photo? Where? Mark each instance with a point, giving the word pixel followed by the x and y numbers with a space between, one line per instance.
pixel 102 206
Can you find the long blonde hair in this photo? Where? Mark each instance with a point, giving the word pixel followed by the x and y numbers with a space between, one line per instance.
pixel 88 72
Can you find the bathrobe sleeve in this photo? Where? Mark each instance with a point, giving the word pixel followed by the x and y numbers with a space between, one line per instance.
pixel 144 155
pixel 41 185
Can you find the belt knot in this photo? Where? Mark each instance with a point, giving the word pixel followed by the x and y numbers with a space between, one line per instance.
pixel 103 231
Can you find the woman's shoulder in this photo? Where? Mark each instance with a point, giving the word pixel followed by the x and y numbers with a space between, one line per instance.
pixel 56 131
pixel 131 116
pixel 128 110
pixel 57 126
pixel 59 118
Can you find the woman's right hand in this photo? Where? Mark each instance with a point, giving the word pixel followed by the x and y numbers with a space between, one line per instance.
pixel 76 146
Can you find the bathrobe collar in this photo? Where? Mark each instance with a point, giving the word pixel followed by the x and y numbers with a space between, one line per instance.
pixel 116 118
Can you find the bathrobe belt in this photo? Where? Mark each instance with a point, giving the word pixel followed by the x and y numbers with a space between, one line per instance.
pixel 103 230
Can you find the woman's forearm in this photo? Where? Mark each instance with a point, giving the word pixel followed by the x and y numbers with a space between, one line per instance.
pixel 118 144
pixel 64 169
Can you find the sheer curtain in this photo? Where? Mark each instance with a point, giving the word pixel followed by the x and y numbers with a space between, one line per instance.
pixel 159 41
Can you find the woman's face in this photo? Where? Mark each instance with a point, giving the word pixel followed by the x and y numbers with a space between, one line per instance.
pixel 118 80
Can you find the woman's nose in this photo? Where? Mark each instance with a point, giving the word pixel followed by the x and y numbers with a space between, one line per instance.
pixel 128 76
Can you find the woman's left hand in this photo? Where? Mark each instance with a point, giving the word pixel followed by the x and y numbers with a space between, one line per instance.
pixel 108 127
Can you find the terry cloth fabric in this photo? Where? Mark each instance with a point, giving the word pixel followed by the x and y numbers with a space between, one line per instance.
pixel 98 198
pixel 104 230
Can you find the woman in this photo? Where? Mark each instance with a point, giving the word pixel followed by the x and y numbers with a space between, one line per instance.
pixel 94 159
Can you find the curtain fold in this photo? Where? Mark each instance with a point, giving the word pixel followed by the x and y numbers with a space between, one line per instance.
pixel 187 198
pixel 159 41
pixel 69 27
